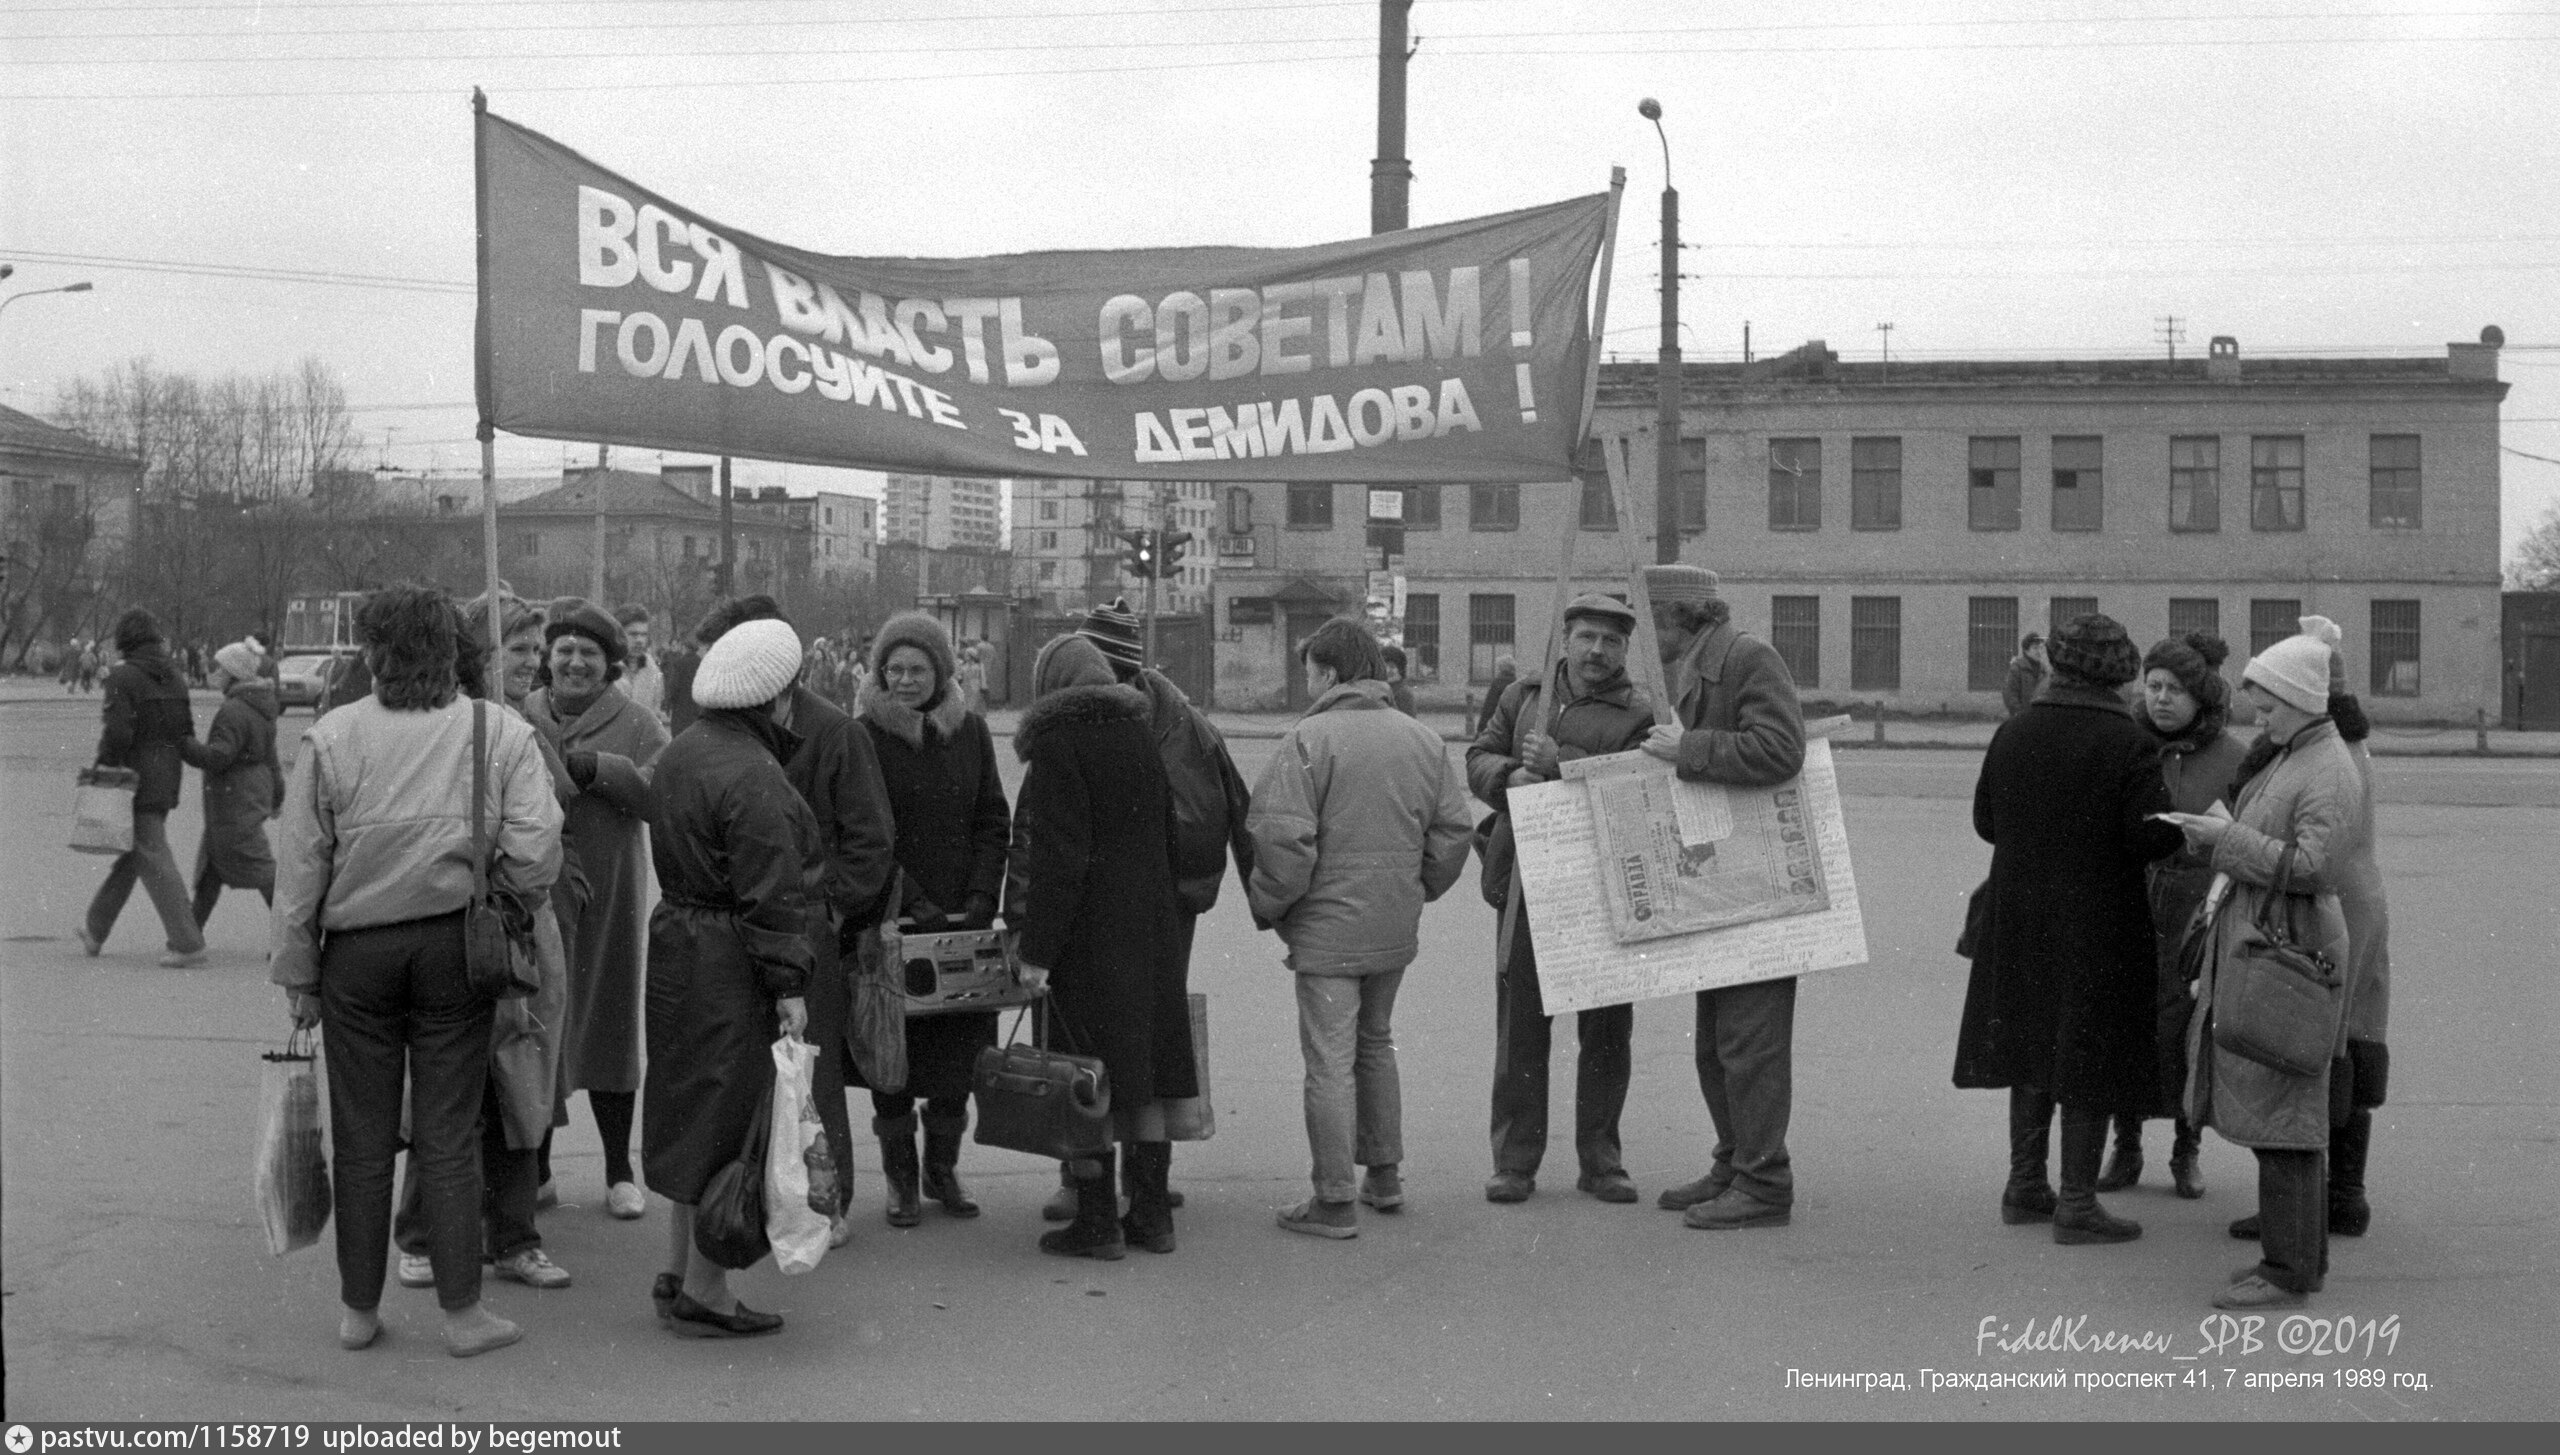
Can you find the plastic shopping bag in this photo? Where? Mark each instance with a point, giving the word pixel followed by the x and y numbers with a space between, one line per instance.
pixel 102 811
pixel 797 1229
pixel 291 1173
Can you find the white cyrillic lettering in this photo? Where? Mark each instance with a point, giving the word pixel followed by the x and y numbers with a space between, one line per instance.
pixel 871 385
pixel 742 375
pixel 1121 316
pixel 795 302
pixel 1336 293
pixel 1182 337
pixel 916 317
pixel 1284 429
pixel 773 353
pixel 880 338
pixel 1237 436
pixel 835 374
pixel 1456 410
pixel 632 362
pixel 1056 435
pixel 1280 330
pixel 1361 430
pixel 939 408
pixel 1414 418
pixel 1029 360
pixel 1191 433
pixel 693 344
pixel 656 271
pixel 605 258
pixel 1326 433
pixel 1155 447
pixel 969 316
pixel 1381 337
pixel 1235 316
pixel 589 320
pixel 724 268
pixel 1431 331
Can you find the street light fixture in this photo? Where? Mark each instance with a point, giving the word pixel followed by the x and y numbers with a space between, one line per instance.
pixel 1666 382
pixel 82 287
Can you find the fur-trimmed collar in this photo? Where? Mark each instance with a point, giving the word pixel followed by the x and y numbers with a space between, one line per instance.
pixel 906 723
pixel 1077 707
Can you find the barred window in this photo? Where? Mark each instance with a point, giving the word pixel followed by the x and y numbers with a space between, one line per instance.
pixel 1422 507
pixel 1422 634
pixel 2195 483
pixel 2395 482
pixel 1991 640
pixel 1875 484
pixel 2061 609
pixel 1493 507
pixel 2194 614
pixel 1875 643
pixel 1490 634
pixel 1992 499
pixel 1795 631
pixel 2275 482
pixel 2271 620
pixel 2395 649
pixel 1693 483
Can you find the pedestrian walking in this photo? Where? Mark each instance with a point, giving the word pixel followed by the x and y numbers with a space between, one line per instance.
pixel 2059 1008
pixel 374 868
pixel 1596 710
pixel 243 784
pixel 1399 692
pixel 2026 674
pixel 89 665
pixel 2294 821
pixel 1099 917
pixel 643 681
pixel 729 959
pixel 1359 820
pixel 937 763
pixel 1737 722
pixel 147 718
pixel 607 742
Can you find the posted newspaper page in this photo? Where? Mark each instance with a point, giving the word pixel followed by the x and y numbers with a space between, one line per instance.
pixel 1679 855
pixel 1584 963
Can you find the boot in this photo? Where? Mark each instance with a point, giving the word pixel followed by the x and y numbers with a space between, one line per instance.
pixel 2124 1168
pixel 2349 1213
pixel 1096 1231
pixel 2029 1196
pixel 2077 1218
pixel 899 1169
pixel 1061 1206
pixel 941 1165
pixel 1128 1194
pixel 1149 1224
pixel 2183 1171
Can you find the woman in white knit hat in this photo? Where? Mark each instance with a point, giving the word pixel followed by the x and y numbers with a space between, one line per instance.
pixel 737 853
pixel 2295 818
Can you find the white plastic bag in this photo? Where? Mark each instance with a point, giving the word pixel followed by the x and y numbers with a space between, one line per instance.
pixel 797 1230
pixel 291 1172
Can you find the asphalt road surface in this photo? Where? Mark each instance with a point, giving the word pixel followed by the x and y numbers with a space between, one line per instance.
pixel 136 1285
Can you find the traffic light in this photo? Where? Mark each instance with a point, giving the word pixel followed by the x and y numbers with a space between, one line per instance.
pixel 1169 559
pixel 1140 559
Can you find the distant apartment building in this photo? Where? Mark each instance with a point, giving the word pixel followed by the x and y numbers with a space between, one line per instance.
pixel 1893 531
pixel 844 543
pixel 946 512
pixel 1069 556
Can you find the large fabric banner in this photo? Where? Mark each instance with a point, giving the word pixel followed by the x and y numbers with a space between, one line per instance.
pixel 610 313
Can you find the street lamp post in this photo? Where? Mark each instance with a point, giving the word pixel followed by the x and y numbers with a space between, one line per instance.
pixel 1666 382
pixel 34 292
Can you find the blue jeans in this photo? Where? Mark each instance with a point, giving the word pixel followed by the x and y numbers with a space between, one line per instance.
pixel 149 861
pixel 1355 1103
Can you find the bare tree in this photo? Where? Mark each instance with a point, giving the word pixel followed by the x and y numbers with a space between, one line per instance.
pixel 2535 565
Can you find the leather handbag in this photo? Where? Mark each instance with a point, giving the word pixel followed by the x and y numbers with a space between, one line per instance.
pixel 498 954
pixel 1047 1103
pixel 2277 1002
pixel 729 1221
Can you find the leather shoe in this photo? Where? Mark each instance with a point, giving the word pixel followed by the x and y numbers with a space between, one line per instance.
pixel 2124 1168
pixel 662 1294
pixel 1510 1187
pixel 1689 1194
pixel 2245 1229
pixel 1610 1186
pixel 1735 1208
pixel 2254 1292
pixel 2186 1176
pixel 2023 1205
pixel 690 1320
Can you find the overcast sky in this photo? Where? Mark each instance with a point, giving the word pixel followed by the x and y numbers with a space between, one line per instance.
pixel 1994 179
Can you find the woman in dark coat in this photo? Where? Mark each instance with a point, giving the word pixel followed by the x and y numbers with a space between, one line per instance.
pixel 1100 922
pixel 739 861
pixel 2059 1005
pixel 938 762
pixel 243 783
pixel 147 716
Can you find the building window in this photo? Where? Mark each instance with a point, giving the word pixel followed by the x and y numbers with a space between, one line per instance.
pixel 2395 649
pixel 1422 634
pixel 1239 510
pixel 1422 507
pixel 1048 570
pixel 1599 507
pixel 2271 620
pixel 1795 630
pixel 1493 507
pixel 688 548
pixel 1693 483
pixel 529 543
pixel 1991 639
pixel 2079 482
pixel 1875 643
pixel 1992 499
pixel 1048 540
pixel 1489 634
pixel 1048 510
pixel 2275 482
pixel 1310 507
pixel 2061 610
pixel 1875 484
pixel 2395 482
pixel 2195 483
pixel 2195 614
pixel 1795 484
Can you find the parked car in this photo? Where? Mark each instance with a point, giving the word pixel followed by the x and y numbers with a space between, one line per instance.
pixel 302 681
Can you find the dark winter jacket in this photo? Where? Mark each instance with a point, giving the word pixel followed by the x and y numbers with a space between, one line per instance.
pixel 1209 796
pixel 1099 906
pixel 1734 695
pixel 2026 679
pixel 243 784
pixel 2061 994
pixel 2196 766
pixel 1611 720
pixel 838 773
pixel 737 853
pixel 147 716
pixel 939 767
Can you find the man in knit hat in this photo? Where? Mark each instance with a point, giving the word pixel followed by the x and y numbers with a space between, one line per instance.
pixel 1738 723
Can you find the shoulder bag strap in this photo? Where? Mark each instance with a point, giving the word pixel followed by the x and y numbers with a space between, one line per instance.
pixel 2273 918
pixel 479 797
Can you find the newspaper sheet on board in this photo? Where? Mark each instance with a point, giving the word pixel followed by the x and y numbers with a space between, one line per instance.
pixel 1679 855
pixel 1582 964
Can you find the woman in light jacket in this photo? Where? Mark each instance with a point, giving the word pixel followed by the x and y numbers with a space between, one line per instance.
pixel 2294 816
pixel 374 869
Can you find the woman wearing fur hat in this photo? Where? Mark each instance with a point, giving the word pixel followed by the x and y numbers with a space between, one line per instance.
pixel 2185 704
pixel 938 762
pixel 243 783
pixel 1099 918
pixel 2058 1009
pixel 607 741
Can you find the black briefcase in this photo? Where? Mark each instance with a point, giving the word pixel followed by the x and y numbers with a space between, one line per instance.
pixel 1047 1103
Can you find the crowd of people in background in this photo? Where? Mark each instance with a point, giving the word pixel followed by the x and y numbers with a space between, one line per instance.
pixel 713 834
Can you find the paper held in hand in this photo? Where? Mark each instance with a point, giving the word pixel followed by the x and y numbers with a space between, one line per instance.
pixel 1678 855
pixel 1583 962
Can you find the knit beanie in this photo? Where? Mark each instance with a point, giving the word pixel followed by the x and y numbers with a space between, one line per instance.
pixel 239 659
pixel 2094 649
pixel 1070 661
pixel 2296 670
pixel 1679 583
pixel 136 629
pixel 2196 661
pixel 922 632
pixel 1114 628
pixel 577 616
pixel 749 666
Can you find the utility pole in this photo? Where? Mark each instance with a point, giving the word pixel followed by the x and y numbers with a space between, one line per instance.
pixel 595 482
pixel 2171 331
pixel 1886 329
pixel 1666 379
pixel 1391 173
pixel 1155 565
pixel 728 538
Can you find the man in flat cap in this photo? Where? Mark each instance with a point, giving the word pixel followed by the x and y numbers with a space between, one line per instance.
pixel 1597 710
pixel 1739 724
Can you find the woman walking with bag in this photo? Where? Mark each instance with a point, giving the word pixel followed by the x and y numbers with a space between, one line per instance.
pixel 739 861
pixel 374 869
pixel 243 783
pixel 2298 821
pixel 147 717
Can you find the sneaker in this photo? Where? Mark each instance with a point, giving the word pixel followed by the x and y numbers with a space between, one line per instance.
pixel 1382 1188
pixel 1735 1208
pixel 417 1270
pixel 625 1201
pixel 182 959
pixel 1318 1219
pixel 534 1269
pixel 90 944
pixel 1509 1187
pixel 2254 1292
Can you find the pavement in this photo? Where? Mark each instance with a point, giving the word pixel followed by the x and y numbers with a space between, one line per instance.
pixel 134 1283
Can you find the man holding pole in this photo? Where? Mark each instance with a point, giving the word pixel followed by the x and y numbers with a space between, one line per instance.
pixel 1739 723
